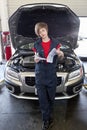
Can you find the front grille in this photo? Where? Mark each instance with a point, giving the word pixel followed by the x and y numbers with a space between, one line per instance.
pixel 30 81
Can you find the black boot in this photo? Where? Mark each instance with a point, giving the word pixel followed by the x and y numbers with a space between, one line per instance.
pixel 45 125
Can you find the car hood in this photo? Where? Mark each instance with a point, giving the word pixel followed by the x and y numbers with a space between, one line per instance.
pixel 63 23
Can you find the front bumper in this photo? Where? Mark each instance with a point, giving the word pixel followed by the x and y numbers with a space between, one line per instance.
pixel 71 91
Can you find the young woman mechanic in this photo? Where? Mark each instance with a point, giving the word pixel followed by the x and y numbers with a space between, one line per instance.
pixel 45 73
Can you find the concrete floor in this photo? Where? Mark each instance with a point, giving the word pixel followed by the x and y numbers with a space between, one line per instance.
pixel 19 114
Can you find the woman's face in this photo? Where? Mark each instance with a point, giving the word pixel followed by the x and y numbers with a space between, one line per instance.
pixel 43 33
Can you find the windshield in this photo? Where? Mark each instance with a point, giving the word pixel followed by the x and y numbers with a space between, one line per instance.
pixel 27 46
pixel 30 46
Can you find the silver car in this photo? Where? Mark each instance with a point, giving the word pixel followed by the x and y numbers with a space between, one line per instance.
pixel 63 25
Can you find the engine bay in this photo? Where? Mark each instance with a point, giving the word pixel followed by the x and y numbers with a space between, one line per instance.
pixel 25 62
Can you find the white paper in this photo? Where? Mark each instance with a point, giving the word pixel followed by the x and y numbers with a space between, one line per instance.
pixel 39 58
pixel 50 56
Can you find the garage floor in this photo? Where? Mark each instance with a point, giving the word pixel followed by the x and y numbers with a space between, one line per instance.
pixel 17 114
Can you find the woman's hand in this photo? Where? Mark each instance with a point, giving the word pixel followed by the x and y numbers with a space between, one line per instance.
pixel 60 53
pixel 36 58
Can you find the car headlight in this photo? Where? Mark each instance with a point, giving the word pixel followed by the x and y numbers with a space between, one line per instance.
pixel 75 74
pixel 12 75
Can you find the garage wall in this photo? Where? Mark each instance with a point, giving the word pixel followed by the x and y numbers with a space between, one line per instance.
pixel 78 6
pixel 0 21
pixel 0 24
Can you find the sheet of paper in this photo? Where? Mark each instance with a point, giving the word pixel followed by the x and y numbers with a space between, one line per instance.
pixel 51 55
pixel 38 57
